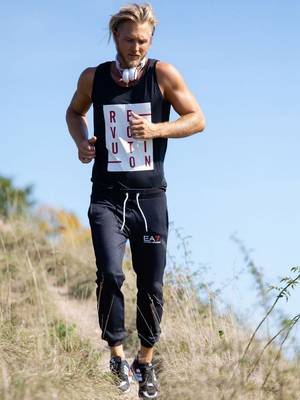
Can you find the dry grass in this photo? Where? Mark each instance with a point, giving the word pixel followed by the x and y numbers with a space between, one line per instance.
pixel 45 356
pixel 42 356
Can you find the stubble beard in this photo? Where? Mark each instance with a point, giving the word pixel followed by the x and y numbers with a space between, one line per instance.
pixel 128 63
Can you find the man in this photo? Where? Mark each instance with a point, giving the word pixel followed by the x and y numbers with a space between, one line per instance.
pixel 131 97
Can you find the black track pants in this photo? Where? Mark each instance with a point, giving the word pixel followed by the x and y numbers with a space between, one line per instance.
pixel 141 217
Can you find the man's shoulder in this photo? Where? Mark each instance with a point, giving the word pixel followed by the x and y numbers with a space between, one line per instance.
pixel 88 73
pixel 166 70
pixel 163 67
pixel 85 81
pixel 166 73
pixel 87 76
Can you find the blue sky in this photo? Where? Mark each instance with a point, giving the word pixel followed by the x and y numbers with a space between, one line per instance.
pixel 241 176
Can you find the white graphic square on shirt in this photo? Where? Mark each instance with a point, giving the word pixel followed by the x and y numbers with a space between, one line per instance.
pixel 124 152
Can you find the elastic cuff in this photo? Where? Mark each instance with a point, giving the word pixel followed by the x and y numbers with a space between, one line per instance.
pixel 113 344
pixel 146 344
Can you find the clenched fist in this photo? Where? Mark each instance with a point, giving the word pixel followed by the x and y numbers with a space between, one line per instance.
pixel 86 150
pixel 141 128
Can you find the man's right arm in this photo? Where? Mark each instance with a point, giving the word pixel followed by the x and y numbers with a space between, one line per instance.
pixel 76 116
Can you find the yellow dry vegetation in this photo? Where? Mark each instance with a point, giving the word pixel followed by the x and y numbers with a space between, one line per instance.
pixel 64 225
pixel 198 357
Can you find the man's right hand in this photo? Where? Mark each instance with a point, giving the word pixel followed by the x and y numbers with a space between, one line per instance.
pixel 86 150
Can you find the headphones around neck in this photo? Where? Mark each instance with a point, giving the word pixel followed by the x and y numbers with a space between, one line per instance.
pixel 129 74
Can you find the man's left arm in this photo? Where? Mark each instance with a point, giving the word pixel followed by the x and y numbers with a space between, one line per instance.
pixel 175 91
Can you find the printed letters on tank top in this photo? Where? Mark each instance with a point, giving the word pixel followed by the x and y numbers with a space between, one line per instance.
pixel 126 153
pixel 122 161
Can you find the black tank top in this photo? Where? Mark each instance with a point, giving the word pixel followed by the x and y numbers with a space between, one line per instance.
pixel 122 162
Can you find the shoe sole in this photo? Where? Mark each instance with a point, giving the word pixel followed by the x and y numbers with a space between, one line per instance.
pixel 127 390
pixel 138 378
pixel 148 397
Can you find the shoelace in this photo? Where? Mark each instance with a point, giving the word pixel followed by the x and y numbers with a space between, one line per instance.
pixel 118 367
pixel 148 375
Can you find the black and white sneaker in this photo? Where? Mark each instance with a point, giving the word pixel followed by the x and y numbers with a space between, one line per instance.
pixel 120 369
pixel 144 374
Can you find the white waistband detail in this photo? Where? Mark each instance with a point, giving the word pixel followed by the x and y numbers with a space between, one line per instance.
pixel 124 211
pixel 138 204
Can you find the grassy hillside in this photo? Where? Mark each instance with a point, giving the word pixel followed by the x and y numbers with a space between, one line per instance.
pixel 43 356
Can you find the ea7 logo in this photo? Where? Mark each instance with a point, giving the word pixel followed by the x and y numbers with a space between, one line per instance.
pixel 152 239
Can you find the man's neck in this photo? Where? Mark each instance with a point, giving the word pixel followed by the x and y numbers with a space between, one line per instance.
pixel 117 76
pixel 121 65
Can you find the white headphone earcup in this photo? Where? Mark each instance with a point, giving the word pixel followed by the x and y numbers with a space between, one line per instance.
pixel 129 74
pixel 132 73
pixel 126 75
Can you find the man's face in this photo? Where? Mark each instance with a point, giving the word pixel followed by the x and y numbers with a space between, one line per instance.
pixel 132 42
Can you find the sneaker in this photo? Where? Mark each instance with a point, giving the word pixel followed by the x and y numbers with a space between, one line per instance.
pixel 144 374
pixel 120 369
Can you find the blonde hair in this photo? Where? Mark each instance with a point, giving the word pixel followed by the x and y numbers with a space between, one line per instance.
pixel 138 13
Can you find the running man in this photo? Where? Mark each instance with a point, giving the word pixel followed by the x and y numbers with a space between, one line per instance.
pixel 131 98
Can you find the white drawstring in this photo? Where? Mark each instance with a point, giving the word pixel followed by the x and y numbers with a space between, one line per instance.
pixel 124 211
pixel 141 211
pixel 137 202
